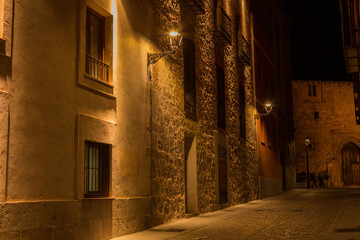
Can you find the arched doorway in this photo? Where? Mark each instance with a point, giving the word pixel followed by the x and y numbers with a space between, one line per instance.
pixel 350 164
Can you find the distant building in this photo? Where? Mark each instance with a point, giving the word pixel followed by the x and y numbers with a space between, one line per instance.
pixel 324 112
pixel 99 137
pixel 272 85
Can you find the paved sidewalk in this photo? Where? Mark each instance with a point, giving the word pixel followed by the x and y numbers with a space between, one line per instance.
pixel 299 214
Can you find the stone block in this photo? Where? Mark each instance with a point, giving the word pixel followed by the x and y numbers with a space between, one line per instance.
pixel 135 209
pixel 106 232
pixel 36 234
pixel 89 231
pixel 100 209
pixel 146 206
pixel 120 209
pixel 65 232
pixel 10 235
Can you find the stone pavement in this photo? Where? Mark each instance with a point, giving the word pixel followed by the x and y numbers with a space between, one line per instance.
pixel 332 214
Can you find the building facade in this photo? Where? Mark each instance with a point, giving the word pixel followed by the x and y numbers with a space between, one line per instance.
pixel 324 112
pixel 273 83
pixel 99 137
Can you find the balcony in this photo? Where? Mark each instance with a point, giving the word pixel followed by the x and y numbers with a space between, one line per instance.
pixel 222 26
pixel 197 6
pixel 97 69
pixel 190 110
pixel 245 53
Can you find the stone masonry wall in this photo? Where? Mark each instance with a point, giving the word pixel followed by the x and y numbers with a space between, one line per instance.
pixel 167 165
pixel 334 127
pixel 207 111
pixel 169 123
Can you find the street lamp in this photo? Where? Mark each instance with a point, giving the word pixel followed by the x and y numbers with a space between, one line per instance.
pixel 268 108
pixel 174 41
pixel 307 143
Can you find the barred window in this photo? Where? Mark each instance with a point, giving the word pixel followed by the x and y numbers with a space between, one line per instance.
pixel 96 169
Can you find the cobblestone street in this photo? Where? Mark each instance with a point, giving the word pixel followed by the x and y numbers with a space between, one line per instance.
pixel 298 214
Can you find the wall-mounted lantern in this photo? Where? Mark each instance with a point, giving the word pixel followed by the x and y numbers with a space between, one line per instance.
pixel 174 41
pixel 268 108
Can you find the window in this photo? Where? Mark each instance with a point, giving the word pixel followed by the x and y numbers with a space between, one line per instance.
pixel 220 96
pixel 222 168
pixel 312 90
pixel 96 169
pixel 242 111
pixel 95 42
pixel 189 77
pixel 316 115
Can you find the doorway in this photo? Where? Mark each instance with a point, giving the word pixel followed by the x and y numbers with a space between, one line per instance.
pixel 222 161
pixel 350 165
pixel 190 175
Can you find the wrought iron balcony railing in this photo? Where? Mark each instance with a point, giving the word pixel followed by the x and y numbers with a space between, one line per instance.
pixel 222 26
pixel 245 53
pixel 97 69
pixel 197 6
pixel 190 109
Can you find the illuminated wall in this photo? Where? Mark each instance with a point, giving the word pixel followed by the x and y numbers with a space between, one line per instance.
pixel 328 120
pixel 52 104
pixel 272 81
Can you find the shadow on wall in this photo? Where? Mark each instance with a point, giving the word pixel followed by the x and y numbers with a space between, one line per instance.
pixel 316 180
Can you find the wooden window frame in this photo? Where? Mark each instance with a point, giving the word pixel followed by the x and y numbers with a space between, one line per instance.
pixel 103 169
pixel 89 13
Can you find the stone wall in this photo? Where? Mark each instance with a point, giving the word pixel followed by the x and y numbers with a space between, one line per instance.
pixel 334 127
pixel 170 124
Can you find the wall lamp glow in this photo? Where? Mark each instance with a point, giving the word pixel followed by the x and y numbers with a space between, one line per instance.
pixel 175 39
pixel 268 108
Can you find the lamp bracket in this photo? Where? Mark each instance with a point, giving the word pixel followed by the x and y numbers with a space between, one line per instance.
pixel 154 57
pixel 258 116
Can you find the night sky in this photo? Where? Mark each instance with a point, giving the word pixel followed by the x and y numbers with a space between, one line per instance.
pixel 317 52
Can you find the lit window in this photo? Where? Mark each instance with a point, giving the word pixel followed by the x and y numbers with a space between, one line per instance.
pixel 96 169
pixel 95 39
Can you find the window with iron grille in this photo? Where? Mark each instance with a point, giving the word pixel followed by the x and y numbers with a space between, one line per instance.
pixel 95 42
pixel 96 168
